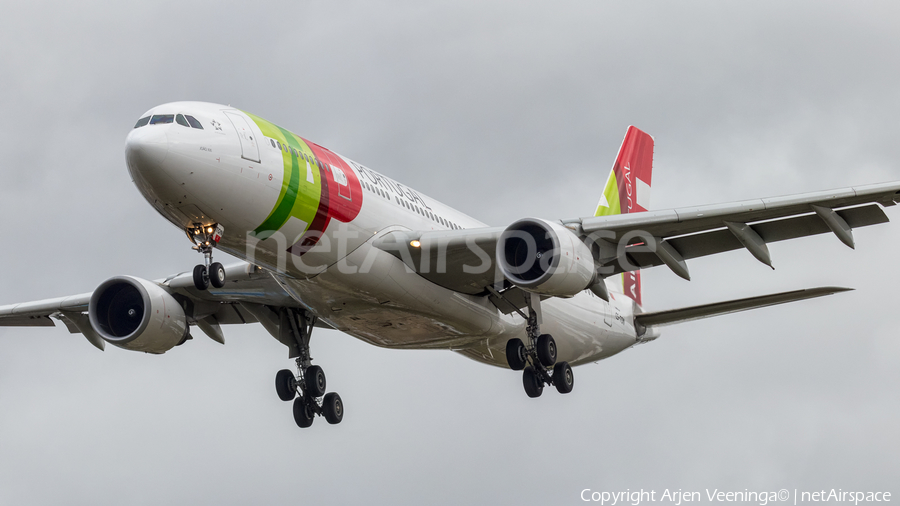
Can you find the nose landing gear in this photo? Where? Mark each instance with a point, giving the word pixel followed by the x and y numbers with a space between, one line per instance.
pixel 205 238
pixel 307 387
pixel 537 361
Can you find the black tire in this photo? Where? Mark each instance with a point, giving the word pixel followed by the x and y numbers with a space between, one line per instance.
pixel 534 387
pixel 315 381
pixel 546 350
pixel 563 377
pixel 303 415
pixel 201 278
pixel 285 385
pixel 515 354
pixel 217 275
pixel 333 408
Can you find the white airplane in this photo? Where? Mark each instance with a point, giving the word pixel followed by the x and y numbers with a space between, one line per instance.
pixel 328 242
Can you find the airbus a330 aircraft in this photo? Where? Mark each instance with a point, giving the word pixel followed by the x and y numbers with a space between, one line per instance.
pixel 328 242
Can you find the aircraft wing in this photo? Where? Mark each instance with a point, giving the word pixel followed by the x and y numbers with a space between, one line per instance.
pixel 247 297
pixel 692 232
pixel 463 260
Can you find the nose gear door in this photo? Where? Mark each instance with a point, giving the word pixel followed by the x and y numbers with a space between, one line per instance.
pixel 249 146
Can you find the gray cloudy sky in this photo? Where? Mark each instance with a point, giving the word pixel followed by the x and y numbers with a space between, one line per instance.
pixel 505 110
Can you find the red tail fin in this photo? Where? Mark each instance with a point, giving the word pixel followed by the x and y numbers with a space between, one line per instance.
pixel 628 190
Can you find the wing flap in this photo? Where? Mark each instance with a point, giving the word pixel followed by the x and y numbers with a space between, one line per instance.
pixel 659 318
pixel 26 321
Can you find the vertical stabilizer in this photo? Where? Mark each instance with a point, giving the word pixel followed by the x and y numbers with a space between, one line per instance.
pixel 628 191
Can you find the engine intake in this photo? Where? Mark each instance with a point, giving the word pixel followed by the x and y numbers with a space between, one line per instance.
pixel 138 315
pixel 545 257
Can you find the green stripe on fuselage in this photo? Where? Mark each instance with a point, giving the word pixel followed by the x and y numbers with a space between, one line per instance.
pixel 298 197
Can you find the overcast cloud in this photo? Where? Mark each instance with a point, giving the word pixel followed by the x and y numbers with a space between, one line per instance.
pixel 503 110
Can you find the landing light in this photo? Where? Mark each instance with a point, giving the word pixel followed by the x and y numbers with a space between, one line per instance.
pixel 209 230
pixel 415 244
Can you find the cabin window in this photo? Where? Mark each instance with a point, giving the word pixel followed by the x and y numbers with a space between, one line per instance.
pixel 142 122
pixel 273 142
pixel 279 144
pixel 181 121
pixel 193 122
pixel 158 119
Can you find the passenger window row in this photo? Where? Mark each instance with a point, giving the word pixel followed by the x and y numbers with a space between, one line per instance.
pixel 412 207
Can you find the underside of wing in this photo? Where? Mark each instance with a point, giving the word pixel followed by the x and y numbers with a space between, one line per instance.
pixel 460 260
pixel 467 261
pixel 250 295
pixel 669 237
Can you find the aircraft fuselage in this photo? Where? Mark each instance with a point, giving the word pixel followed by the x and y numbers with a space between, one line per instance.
pixel 309 216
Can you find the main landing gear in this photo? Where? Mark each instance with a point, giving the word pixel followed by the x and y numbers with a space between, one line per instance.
pixel 307 387
pixel 205 238
pixel 537 360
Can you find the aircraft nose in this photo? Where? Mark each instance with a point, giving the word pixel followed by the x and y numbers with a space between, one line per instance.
pixel 146 149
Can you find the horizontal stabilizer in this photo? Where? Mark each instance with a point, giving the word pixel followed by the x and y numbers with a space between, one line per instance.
pixel 732 306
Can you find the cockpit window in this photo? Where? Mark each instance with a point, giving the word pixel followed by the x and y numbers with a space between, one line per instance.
pixel 181 121
pixel 142 122
pixel 162 118
pixel 193 121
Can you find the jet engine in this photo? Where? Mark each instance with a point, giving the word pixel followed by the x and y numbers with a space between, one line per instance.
pixel 138 315
pixel 545 258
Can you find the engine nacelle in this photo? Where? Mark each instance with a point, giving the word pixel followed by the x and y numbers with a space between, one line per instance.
pixel 545 257
pixel 138 315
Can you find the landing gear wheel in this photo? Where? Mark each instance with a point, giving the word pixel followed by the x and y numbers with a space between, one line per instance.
pixel 333 408
pixel 285 385
pixel 515 354
pixel 563 377
pixel 315 381
pixel 546 350
pixel 303 414
pixel 534 387
pixel 217 275
pixel 201 278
